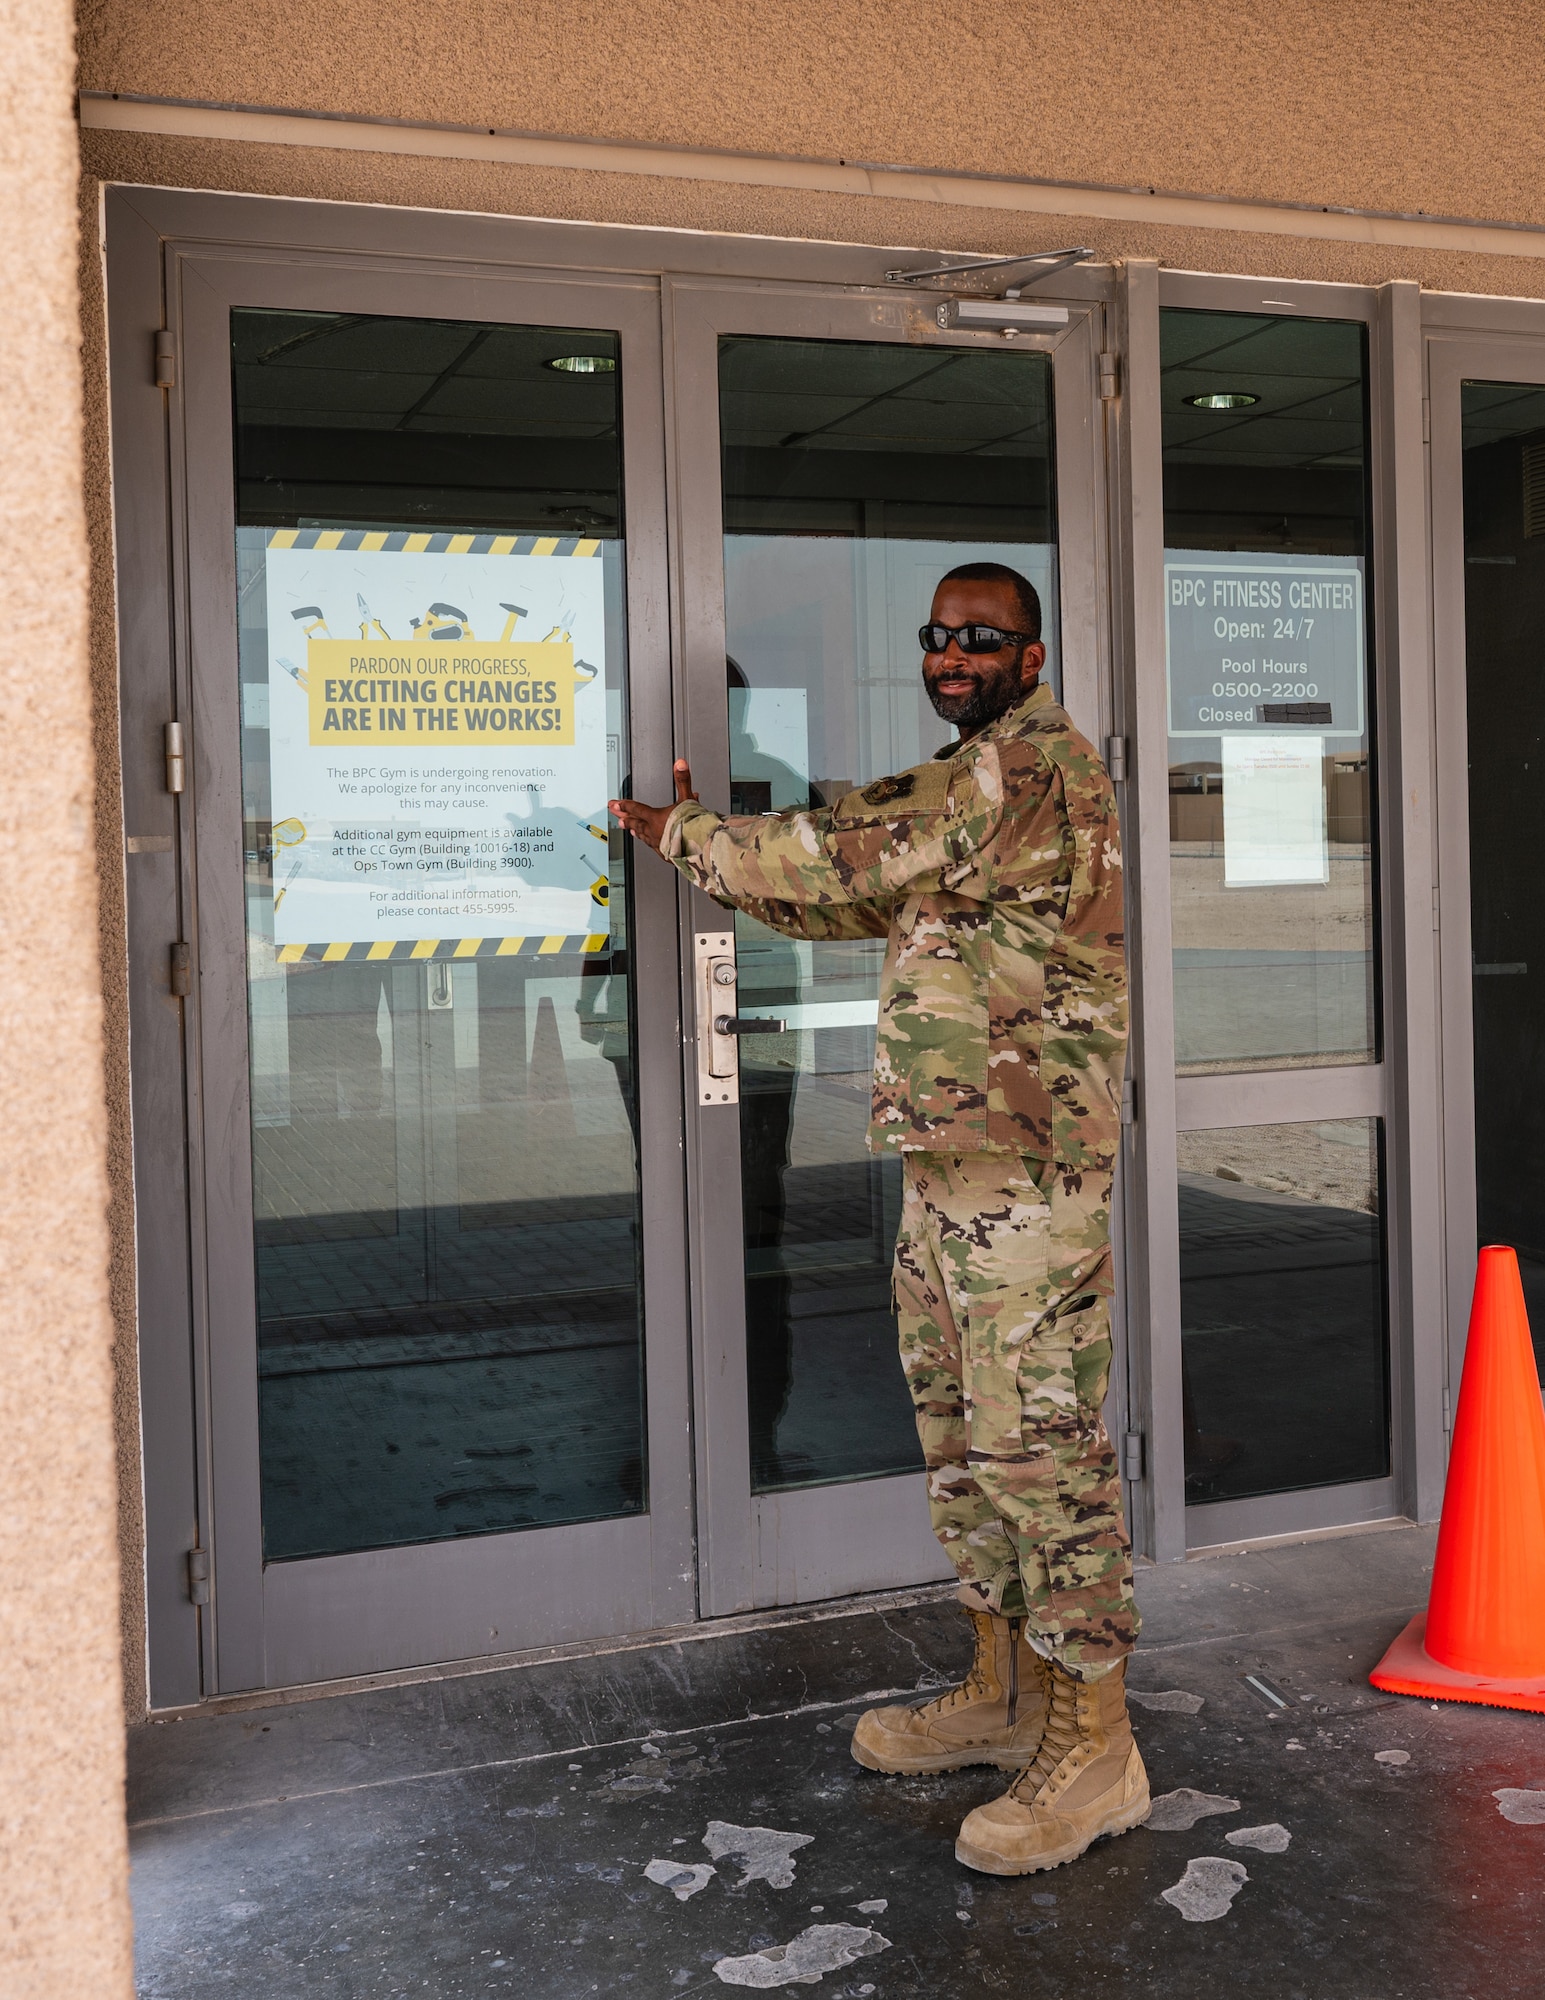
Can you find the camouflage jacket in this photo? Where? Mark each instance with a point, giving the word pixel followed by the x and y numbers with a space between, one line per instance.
pixel 995 872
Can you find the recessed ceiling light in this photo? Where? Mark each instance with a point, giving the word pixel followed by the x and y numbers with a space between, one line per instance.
pixel 594 364
pixel 1222 399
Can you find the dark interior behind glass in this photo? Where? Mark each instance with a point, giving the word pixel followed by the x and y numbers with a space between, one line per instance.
pixel 855 475
pixel 1504 514
pixel 444 1149
pixel 1283 1315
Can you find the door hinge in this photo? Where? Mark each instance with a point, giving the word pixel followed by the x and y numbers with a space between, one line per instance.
pixel 182 971
pixel 1133 1456
pixel 176 769
pixel 1110 377
pixel 1426 421
pixel 1448 1415
pixel 166 359
pixel 1435 906
pixel 1129 1100
pixel 1116 759
pixel 198 1576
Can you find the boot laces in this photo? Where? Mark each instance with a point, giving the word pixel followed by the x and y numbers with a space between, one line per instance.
pixel 975 1686
pixel 1060 1735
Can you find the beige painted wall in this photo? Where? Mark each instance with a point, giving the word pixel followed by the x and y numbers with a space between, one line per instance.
pixel 1375 103
pixel 64 1927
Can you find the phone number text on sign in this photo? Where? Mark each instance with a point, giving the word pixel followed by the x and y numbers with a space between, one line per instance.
pixel 1263 645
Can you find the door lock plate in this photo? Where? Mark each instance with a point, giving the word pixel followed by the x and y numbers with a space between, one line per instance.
pixel 713 984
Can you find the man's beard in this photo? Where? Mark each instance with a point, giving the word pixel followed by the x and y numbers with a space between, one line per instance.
pixel 997 690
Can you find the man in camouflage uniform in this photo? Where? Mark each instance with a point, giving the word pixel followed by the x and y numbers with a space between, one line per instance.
pixel 994 871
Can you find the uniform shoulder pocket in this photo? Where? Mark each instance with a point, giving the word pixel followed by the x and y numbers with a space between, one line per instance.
pixel 924 789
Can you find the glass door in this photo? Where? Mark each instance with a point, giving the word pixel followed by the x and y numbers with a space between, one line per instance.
pixel 856 463
pixel 445 1329
pixel 1273 873
pixel 1488 484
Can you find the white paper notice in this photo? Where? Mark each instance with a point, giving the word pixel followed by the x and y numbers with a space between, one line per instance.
pixel 1274 810
pixel 438 740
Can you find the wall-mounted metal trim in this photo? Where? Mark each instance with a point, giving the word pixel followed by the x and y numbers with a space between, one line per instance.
pixel 183 118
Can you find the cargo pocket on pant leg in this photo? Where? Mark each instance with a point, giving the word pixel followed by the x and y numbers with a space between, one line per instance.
pixel 1089 1565
pixel 1024 1485
pixel 1061 1495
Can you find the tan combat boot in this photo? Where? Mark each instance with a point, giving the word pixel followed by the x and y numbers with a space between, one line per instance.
pixel 993 1717
pixel 1087 1779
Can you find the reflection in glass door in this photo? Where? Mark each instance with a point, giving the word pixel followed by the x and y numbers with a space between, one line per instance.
pixel 445 1175
pixel 855 475
pixel 1504 549
pixel 1272 883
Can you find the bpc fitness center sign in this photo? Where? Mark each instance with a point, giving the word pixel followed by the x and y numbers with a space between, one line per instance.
pixel 1264 644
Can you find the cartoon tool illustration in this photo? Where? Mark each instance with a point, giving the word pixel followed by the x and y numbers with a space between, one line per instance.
pixel 289 833
pixel 584 671
pixel 517 612
pixel 296 674
pixel 443 621
pixel 295 868
pixel 366 621
pixel 317 629
pixel 600 889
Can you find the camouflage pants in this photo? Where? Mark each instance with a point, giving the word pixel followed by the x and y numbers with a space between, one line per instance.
pixel 1002 1286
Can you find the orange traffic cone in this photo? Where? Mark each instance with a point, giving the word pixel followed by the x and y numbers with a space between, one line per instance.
pixel 1482 1637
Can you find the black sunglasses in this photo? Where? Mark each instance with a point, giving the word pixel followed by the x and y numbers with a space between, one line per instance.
pixel 969 638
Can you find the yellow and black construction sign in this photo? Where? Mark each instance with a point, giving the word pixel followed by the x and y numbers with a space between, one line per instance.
pixel 470 693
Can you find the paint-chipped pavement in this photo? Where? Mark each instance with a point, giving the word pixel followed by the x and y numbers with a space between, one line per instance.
pixel 489 1833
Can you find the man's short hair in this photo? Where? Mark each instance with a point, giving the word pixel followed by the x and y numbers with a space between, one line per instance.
pixel 1024 590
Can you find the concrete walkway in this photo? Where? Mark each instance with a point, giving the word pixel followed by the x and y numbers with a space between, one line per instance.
pixel 489 1833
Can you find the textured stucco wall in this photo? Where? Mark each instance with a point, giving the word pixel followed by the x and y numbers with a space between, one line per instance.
pixel 1373 103
pixel 113 940
pixel 63 1908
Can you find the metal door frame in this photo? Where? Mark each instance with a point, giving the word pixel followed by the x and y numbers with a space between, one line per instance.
pixel 1488 340
pixel 826 1541
pixel 1400 1089
pixel 153 239
pixel 323 1618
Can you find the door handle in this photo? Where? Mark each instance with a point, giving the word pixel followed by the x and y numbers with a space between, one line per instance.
pixel 718 1053
pixel 746 1024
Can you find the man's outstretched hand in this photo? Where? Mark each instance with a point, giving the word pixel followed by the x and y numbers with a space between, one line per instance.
pixel 647 823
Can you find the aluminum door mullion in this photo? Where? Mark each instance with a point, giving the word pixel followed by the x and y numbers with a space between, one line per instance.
pixel 1446 371
pixel 721 1442
pixel 1153 1217
pixel 1083 515
pixel 1405 801
pixel 219 1112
